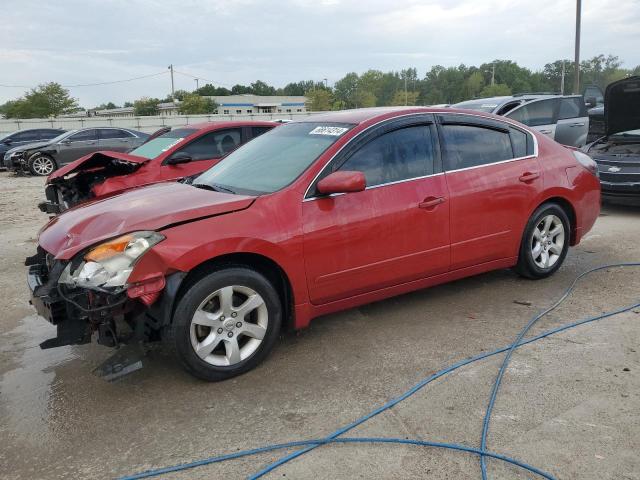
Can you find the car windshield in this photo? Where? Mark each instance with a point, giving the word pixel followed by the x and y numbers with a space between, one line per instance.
pixel 2 137
pixel 61 136
pixel 162 143
pixel 273 160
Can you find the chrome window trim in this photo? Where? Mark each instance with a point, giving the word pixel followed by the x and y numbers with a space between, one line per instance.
pixel 502 119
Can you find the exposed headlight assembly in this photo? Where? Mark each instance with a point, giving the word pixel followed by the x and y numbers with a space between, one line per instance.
pixel 109 264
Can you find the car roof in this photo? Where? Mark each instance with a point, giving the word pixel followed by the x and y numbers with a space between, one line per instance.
pixel 215 125
pixel 362 115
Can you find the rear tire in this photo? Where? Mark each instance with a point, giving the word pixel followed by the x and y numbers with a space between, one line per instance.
pixel 41 164
pixel 225 324
pixel 545 242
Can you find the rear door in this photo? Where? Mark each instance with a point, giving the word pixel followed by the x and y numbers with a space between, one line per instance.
pixel 115 139
pixel 77 145
pixel 541 115
pixel 493 177
pixel 205 151
pixel 395 231
pixel 573 122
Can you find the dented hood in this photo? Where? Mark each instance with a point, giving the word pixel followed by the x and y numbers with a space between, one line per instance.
pixel 622 105
pixel 148 208
pixel 94 161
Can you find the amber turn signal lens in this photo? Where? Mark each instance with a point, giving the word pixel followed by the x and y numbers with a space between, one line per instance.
pixel 109 249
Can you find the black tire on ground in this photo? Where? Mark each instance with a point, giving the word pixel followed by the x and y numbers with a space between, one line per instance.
pixel 177 336
pixel 526 265
pixel 41 164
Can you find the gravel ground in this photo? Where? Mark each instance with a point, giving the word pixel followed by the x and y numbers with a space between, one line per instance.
pixel 570 404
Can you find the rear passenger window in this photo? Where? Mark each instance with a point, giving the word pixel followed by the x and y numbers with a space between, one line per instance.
pixel 519 142
pixel 109 133
pixel 536 113
pixel 570 108
pixel 398 155
pixel 470 146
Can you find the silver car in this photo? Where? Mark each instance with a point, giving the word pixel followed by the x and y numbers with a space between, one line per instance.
pixel 562 117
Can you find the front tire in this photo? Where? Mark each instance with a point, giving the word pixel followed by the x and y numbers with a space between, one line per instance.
pixel 41 164
pixel 545 242
pixel 225 324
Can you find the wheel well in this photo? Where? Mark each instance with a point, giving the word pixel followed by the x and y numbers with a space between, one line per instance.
pixel 569 210
pixel 264 265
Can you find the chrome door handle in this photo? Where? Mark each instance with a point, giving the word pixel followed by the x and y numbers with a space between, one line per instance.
pixel 546 132
pixel 528 177
pixel 576 124
pixel 430 202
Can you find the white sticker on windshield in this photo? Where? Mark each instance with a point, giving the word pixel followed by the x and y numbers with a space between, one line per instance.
pixel 178 140
pixel 333 131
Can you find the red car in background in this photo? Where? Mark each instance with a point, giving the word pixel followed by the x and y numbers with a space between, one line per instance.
pixel 170 154
pixel 316 216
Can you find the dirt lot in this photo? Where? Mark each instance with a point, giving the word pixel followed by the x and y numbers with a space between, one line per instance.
pixel 570 404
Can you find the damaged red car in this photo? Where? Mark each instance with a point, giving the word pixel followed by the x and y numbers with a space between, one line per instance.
pixel 315 216
pixel 173 154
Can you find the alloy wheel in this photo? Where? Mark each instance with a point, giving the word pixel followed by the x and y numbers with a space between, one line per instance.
pixel 547 241
pixel 229 325
pixel 42 165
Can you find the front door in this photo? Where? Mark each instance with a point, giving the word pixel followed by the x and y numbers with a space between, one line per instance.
pixel 573 122
pixel 541 115
pixel 493 177
pixel 115 139
pixel 77 145
pixel 395 231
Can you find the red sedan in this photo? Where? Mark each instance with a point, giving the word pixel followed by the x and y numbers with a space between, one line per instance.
pixel 316 216
pixel 170 155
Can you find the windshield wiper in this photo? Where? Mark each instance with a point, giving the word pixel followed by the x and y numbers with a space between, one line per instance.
pixel 213 187
pixel 220 188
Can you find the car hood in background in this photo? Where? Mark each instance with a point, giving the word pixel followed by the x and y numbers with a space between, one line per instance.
pixel 93 161
pixel 28 146
pixel 622 106
pixel 148 208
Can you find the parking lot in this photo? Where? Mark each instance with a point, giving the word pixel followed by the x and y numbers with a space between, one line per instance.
pixel 570 404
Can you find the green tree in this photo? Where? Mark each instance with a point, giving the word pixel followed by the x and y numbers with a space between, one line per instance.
pixel 319 100
pixel 345 90
pixel 128 104
pixel 399 98
pixel 473 85
pixel 47 100
pixel 496 90
pixel 240 89
pixel 193 104
pixel 261 88
pixel 106 106
pixel 146 106
pixel 209 90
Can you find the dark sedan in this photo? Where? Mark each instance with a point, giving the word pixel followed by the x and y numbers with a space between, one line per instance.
pixel 23 137
pixel 42 158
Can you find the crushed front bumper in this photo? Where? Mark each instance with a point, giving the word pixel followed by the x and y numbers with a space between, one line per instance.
pixel 53 204
pixel 77 313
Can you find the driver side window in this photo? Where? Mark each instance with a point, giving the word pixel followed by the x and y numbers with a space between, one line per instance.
pixel 397 155
pixel 214 144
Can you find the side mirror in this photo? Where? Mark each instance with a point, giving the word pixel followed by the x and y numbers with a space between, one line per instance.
pixel 178 158
pixel 590 102
pixel 66 142
pixel 342 182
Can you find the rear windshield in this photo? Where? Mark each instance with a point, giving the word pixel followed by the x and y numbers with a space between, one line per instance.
pixel 274 159
pixel 164 142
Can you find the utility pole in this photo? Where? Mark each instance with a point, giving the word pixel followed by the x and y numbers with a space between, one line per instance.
pixel 493 74
pixel 170 67
pixel 562 82
pixel 326 83
pixel 406 100
pixel 197 86
pixel 576 65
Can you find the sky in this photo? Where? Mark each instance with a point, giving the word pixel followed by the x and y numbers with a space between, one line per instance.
pixel 226 42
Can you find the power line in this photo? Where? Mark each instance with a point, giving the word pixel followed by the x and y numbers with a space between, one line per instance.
pixel 93 84
pixel 202 78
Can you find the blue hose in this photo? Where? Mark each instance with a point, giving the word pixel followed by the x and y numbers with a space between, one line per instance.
pixel 482 452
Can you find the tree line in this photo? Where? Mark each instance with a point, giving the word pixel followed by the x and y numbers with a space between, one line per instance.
pixel 371 88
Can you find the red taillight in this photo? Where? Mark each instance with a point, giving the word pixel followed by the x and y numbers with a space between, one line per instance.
pixel 586 161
